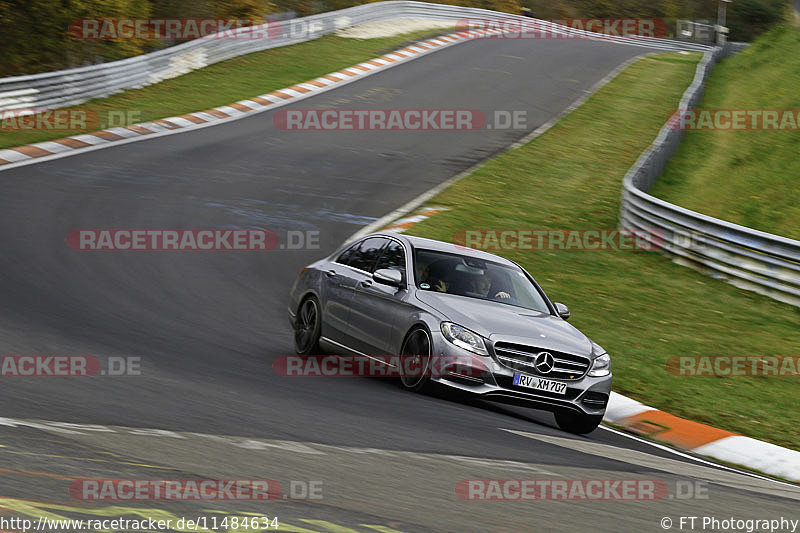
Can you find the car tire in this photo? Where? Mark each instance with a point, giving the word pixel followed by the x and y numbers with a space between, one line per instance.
pixel 308 327
pixel 577 423
pixel 418 343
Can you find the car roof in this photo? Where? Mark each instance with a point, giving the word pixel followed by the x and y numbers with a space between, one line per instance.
pixel 441 246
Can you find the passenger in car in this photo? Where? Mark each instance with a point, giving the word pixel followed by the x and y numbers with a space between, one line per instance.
pixel 437 275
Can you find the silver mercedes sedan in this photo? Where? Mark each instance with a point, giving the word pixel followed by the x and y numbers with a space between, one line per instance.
pixel 498 334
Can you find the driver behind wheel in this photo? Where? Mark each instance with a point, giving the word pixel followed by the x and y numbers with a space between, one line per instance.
pixel 482 285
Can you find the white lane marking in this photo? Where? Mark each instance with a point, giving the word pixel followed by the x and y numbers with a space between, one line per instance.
pixel 55 427
pixel 256 444
pixel 463 459
pixel 722 476
pixel 305 448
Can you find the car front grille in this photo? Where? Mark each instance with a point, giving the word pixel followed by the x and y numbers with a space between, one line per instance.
pixel 521 357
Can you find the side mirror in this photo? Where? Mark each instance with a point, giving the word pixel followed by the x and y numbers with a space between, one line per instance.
pixel 387 276
pixel 562 310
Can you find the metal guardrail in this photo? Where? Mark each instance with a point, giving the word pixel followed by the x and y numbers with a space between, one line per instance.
pixel 71 87
pixel 747 258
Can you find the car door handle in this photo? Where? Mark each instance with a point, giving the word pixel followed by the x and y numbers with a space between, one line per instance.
pixel 330 273
pixel 366 283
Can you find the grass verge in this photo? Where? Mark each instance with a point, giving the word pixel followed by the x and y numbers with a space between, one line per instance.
pixel 229 81
pixel 746 177
pixel 639 305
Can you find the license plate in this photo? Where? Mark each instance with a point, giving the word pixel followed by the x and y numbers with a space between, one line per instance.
pixel 545 385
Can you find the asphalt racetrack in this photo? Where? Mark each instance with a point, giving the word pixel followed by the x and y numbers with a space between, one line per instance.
pixel 208 325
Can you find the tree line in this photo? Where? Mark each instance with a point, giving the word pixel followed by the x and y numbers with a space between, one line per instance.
pixel 34 35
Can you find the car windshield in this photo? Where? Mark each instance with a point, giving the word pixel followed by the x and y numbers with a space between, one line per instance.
pixel 476 278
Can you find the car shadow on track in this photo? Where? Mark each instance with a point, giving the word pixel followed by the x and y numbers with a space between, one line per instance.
pixel 527 415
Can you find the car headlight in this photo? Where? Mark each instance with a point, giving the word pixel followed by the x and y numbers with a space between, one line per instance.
pixel 601 366
pixel 464 338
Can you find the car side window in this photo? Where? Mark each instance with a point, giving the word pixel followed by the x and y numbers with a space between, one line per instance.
pixel 366 255
pixel 394 257
pixel 347 254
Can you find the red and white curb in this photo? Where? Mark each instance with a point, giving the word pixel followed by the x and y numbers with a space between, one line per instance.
pixel 27 154
pixel 654 424
pixel 703 440
pixel 400 225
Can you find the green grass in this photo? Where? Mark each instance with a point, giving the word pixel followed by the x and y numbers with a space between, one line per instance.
pixel 747 177
pixel 641 307
pixel 232 80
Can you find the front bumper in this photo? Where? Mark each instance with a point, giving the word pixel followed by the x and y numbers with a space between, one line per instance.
pixel 487 379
